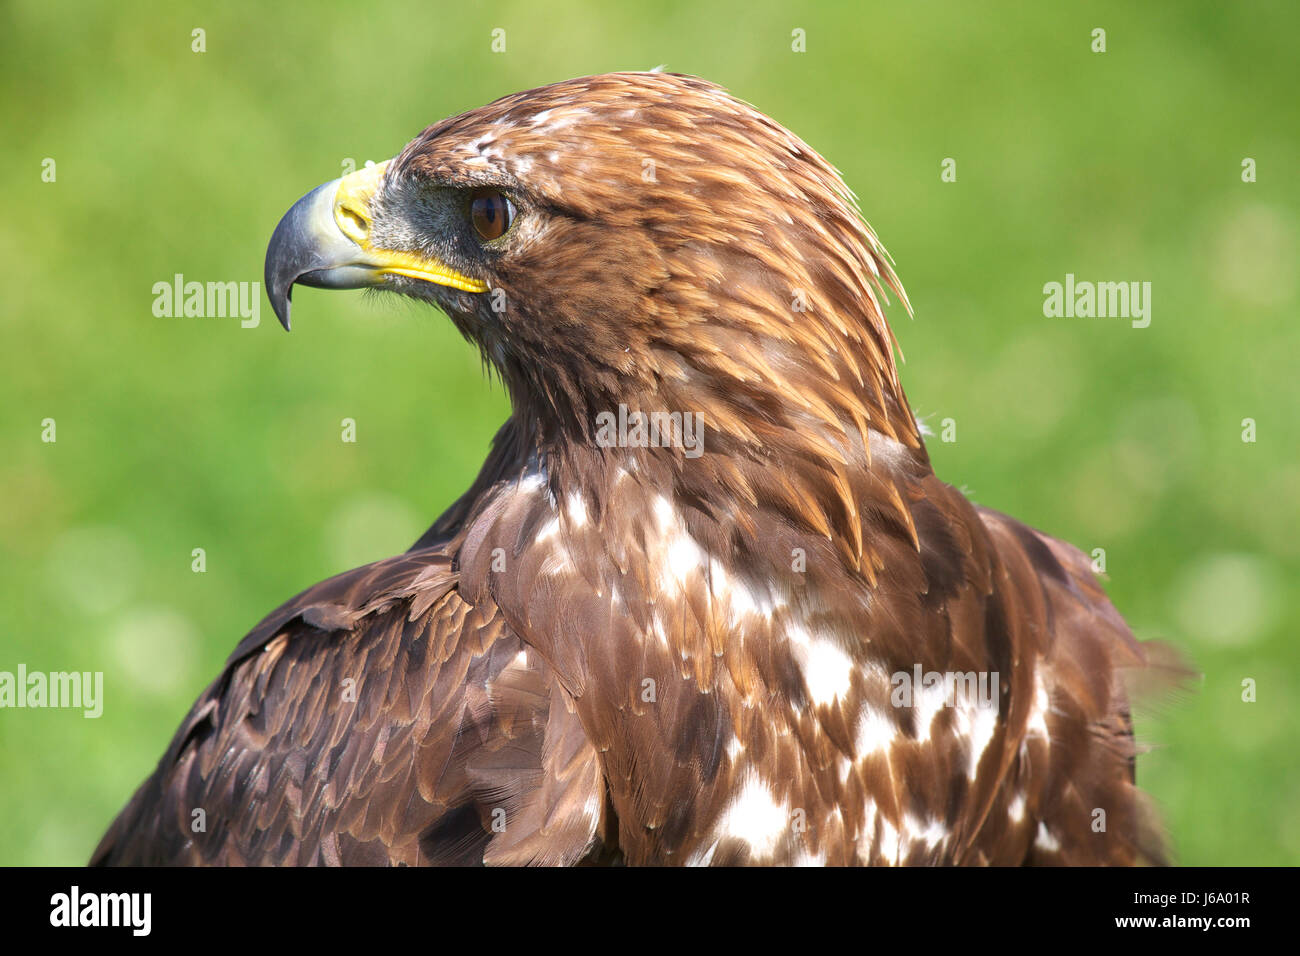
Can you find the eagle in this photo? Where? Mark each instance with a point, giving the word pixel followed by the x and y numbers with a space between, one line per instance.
pixel 706 602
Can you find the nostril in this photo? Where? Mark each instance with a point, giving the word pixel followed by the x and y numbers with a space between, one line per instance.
pixel 354 225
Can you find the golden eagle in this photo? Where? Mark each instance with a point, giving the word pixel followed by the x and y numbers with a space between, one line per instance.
pixel 706 602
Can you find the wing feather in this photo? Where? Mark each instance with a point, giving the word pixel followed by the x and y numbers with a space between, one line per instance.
pixel 377 718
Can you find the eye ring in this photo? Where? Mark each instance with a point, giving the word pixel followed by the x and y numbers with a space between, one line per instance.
pixel 491 213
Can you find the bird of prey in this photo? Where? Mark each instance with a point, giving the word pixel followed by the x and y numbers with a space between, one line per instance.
pixel 706 602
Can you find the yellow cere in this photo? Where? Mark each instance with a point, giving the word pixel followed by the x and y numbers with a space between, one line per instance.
pixel 352 215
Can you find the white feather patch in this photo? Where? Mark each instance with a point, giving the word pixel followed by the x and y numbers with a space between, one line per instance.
pixel 755 817
pixel 827 670
pixel 1045 840
pixel 876 732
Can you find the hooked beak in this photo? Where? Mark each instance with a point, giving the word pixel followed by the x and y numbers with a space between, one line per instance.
pixel 324 241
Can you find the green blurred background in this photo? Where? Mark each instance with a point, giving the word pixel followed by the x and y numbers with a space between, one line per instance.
pixel 176 434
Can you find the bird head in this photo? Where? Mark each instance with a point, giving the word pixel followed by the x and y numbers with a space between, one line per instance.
pixel 636 238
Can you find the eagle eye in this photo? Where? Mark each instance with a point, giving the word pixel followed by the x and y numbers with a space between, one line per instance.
pixel 491 213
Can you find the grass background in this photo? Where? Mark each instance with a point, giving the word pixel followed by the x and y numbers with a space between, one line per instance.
pixel 175 434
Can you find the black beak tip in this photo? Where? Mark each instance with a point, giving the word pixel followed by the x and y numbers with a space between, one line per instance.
pixel 280 304
pixel 279 282
pixel 280 276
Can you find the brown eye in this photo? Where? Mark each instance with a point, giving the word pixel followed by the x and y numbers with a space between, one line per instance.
pixel 492 213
